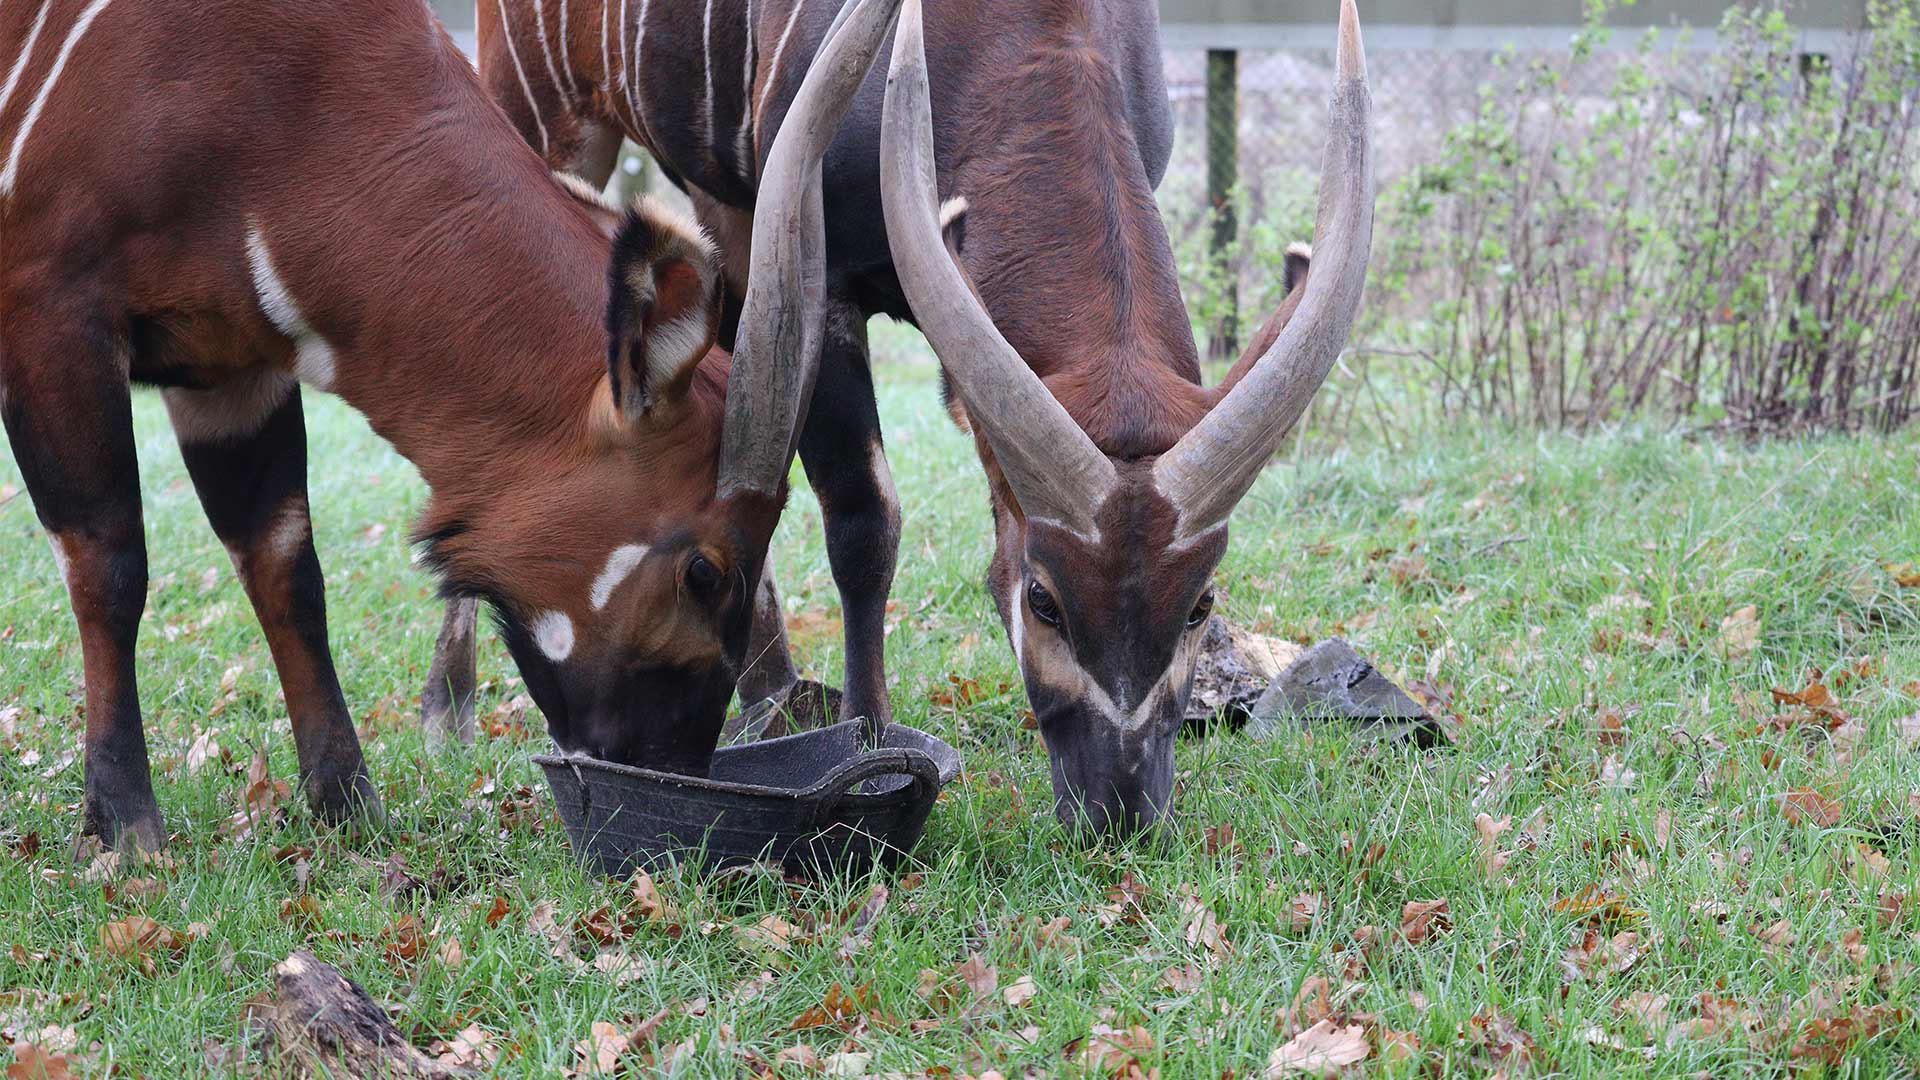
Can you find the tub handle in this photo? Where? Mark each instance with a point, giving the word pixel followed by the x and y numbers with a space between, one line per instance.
pixel 917 766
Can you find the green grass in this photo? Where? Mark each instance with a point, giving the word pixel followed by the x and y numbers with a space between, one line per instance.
pixel 1480 563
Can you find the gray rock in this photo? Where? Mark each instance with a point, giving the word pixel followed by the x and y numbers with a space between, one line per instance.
pixel 1331 682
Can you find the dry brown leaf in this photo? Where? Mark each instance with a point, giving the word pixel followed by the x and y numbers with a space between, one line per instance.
pixel 1775 938
pixel 799 1055
pixel 982 978
pixel 860 927
pixel 1594 956
pixel 1809 806
pixel 1302 910
pixel 649 903
pixel 404 941
pixel 600 1052
pixel 1739 633
pixel 1488 828
pixel 34 1062
pixel 1204 928
pixel 1511 1047
pixel 1126 902
pixel 137 940
pixel 1183 978
pixel 1321 1050
pixel 471 1048
pixel 1423 919
pixel 1115 1051
pixel 1312 1004
pixel 1020 992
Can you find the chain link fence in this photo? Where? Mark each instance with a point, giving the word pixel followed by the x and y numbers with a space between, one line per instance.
pixel 1724 236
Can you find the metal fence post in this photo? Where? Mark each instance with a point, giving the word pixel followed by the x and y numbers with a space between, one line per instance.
pixel 1223 168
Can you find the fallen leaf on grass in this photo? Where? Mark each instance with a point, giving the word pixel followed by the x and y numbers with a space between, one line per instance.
pixel 860 927
pixel 1739 633
pixel 1115 1051
pixel 1423 919
pixel 1020 992
pixel 1598 907
pixel 1594 956
pixel 1183 978
pixel 471 1048
pixel 981 977
pixel 1321 1050
pixel 1805 805
pixel 1302 910
pixel 1646 1009
pixel 1511 1047
pixel 33 1062
pixel 838 1008
pixel 138 939
pixel 1204 928
pixel 1775 938
pixel 1831 1040
pixel 1126 902
pixel 260 798
pixel 403 942
pixel 1489 828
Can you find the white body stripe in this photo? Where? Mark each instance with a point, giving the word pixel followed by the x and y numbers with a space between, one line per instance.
pixel 606 57
pixel 546 50
pixel 506 31
pixel 743 136
pixel 312 356
pixel 553 633
pixel 80 25
pixel 566 46
pixel 620 565
pixel 773 69
pixel 26 51
pixel 706 71
pixel 634 97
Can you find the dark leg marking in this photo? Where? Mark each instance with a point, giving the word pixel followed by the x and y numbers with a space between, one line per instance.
pixel 446 704
pixel 68 414
pixel 253 486
pixel 841 449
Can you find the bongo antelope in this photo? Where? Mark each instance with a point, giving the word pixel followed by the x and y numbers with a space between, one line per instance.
pixel 1057 315
pixel 229 198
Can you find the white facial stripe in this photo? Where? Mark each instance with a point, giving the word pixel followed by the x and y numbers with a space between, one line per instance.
pixel 20 64
pixel 80 25
pixel 622 563
pixel 506 31
pixel 1018 605
pixel 312 356
pixel 553 633
pixel 546 49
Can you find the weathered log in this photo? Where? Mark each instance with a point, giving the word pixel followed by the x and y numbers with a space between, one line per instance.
pixel 323 1026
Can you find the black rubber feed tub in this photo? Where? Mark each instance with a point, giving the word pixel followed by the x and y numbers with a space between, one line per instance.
pixel 814 802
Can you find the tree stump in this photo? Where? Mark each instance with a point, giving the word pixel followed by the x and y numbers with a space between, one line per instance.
pixel 324 1026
